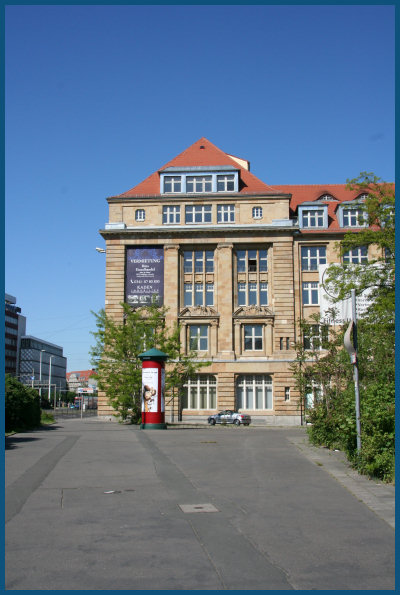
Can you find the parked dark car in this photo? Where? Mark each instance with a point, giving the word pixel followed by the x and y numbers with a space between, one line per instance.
pixel 229 417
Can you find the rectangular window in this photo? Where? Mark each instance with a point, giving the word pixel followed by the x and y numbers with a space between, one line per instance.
pixel 198 214
pixel 172 183
pixel 242 294
pixel 287 393
pixel 200 392
pixel 357 255
pixel 198 261
pixel 316 337
pixel 353 217
pixel 209 294
pixel 253 337
pixel 209 255
pixel 226 213
pixel 313 218
pixel 188 294
pixel 140 215
pixel 254 392
pixel 171 214
pixel 310 294
pixel 198 338
pixel 188 261
pixel 226 183
pixel 199 294
pixel 198 184
pixel 312 257
pixel 252 261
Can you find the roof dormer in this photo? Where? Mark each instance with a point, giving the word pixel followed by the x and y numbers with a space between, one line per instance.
pixel 199 180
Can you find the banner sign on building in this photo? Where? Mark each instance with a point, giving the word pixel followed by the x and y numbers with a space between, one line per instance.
pixel 343 307
pixel 144 276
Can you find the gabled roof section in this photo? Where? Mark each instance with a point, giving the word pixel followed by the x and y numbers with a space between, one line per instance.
pixel 203 153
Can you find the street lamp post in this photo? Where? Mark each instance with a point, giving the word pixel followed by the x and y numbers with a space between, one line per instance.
pixel 49 396
pixel 40 372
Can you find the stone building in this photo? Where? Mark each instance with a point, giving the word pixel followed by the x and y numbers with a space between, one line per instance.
pixel 236 261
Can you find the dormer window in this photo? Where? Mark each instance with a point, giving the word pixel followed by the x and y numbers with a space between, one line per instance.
pixel 226 183
pixel 172 184
pixel 327 198
pixel 199 180
pixel 352 216
pixel 198 184
pixel 312 216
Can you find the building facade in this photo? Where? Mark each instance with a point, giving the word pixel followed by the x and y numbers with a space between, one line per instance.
pixel 15 327
pixel 236 262
pixel 82 379
pixel 42 363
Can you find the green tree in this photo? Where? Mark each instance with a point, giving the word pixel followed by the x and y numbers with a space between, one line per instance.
pixel 333 418
pixel 22 406
pixel 115 356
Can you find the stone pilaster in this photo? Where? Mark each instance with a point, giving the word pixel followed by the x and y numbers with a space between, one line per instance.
pixel 225 297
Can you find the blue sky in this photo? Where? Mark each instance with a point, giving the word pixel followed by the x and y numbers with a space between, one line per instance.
pixel 99 97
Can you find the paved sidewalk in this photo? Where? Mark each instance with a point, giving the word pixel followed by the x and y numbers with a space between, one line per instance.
pixel 94 505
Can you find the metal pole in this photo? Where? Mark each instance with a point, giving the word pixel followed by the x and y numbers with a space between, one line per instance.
pixel 49 394
pixel 356 381
pixel 33 376
pixel 40 372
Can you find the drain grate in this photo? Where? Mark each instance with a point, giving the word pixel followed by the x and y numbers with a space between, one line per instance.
pixel 190 508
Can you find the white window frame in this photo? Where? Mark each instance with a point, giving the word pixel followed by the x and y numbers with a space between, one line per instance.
pixel 205 212
pixel 201 184
pixel 311 218
pixel 171 214
pixel 246 392
pixel 198 337
pixel 358 255
pixel 257 212
pixel 227 181
pixel 310 289
pixel 176 184
pixel 318 332
pixel 140 215
pixel 225 213
pixel 193 389
pixel 306 257
pixel 351 217
pixel 244 291
pixel 254 333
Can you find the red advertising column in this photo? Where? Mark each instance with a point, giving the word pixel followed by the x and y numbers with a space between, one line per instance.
pixel 153 386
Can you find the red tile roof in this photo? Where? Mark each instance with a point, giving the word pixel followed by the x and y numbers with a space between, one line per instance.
pixel 205 153
pixel 83 375
pixel 201 153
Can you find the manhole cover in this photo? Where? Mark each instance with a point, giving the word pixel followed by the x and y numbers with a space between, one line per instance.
pixel 189 508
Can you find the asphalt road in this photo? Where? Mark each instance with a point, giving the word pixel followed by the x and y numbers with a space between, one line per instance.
pixel 95 505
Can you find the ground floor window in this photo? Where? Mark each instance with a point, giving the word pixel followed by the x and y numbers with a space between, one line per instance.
pixel 254 391
pixel 200 392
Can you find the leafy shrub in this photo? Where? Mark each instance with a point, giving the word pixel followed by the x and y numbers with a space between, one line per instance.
pixel 22 406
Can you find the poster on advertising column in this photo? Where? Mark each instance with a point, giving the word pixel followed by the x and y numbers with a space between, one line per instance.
pixel 149 390
pixel 144 282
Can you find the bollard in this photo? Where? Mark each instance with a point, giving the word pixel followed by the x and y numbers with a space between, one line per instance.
pixel 153 386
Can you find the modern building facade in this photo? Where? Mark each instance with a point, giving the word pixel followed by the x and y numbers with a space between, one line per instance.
pixel 15 327
pixel 42 363
pixel 236 262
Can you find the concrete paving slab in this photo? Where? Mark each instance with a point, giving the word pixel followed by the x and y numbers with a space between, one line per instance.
pixel 100 511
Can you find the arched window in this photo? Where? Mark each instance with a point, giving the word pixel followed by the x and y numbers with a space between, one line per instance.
pixel 254 391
